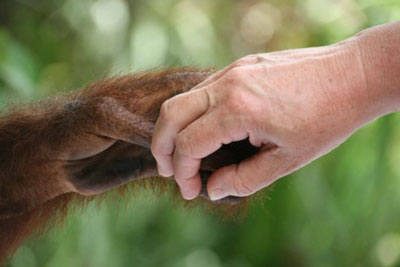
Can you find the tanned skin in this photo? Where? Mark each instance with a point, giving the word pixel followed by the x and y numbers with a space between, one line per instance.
pixel 86 143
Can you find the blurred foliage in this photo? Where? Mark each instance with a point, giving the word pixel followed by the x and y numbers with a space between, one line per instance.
pixel 342 210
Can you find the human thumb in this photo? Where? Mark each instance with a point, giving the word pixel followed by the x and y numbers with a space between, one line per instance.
pixel 248 176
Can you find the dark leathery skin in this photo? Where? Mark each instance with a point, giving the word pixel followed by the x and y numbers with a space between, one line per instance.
pixel 124 162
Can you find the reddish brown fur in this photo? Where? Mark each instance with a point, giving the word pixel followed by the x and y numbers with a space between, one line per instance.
pixel 43 147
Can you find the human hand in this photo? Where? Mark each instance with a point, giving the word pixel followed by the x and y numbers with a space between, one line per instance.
pixel 296 105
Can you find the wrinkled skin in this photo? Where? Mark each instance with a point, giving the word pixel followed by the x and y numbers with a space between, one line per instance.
pixel 301 102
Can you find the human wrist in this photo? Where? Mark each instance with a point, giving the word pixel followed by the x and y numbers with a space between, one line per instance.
pixel 345 83
pixel 380 55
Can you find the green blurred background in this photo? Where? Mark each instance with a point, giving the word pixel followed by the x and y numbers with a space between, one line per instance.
pixel 341 210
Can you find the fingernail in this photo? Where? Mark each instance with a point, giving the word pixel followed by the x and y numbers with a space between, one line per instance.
pixel 165 172
pixel 187 196
pixel 216 194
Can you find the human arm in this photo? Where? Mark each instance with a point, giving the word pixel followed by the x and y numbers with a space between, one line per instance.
pixel 296 105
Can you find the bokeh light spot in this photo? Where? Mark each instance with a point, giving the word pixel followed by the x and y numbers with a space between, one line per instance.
pixel 388 249
pixel 109 16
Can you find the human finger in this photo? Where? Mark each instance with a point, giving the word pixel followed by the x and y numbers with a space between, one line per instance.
pixel 176 113
pixel 198 140
pixel 248 176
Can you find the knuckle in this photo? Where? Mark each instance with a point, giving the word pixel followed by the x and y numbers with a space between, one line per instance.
pixel 154 148
pixel 235 75
pixel 246 60
pixel 257 58
pixel 185 173
pixel 183 144
pixel 159 149
pixel 238 63
pixel 252 59
pixel 239 101
pixel 165 110
pixel 241 187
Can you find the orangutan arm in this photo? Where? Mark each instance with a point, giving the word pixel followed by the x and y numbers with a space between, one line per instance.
pixel 86 142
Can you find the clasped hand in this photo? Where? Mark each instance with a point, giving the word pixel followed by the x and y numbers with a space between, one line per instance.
pixel 295 105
